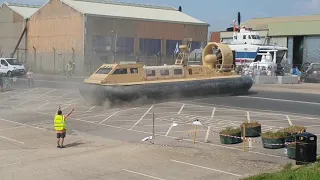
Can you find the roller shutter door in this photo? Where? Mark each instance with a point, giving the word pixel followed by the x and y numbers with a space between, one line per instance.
pixel 311 51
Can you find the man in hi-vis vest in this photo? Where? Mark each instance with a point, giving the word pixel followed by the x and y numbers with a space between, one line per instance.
pixel 61 127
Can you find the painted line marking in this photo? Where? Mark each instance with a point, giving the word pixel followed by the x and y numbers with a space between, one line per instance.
pixel 42 105
pixel 289 120
pixel 11 164
pixel 248 117
pixel 181 108
pixel 194 165
pixel 118 127
pixel 65 94
pixel 207 134
pixel 171 126
pixel 90 109
pixel 142 117
pixel 47 92
pixel 12 128
pixel 19 95
pixel 108 117
pixel 143 174
pixel 283 100
pixel 212 114
pixel 3 137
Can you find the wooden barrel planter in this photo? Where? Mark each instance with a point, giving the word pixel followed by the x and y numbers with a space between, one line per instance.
pixel 226 133
pixel 291 151
pixel 292 131
pixel 253 129
pixel 273 140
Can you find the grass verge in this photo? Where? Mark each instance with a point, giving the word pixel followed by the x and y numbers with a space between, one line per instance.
pixel 306 172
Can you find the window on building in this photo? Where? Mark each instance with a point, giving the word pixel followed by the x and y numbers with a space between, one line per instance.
pixel 190 71
pixel 196 45
pixel 171 46
pixel 150 72
pixel 164 72
pixel 120 71
pixel 125 45
pixel 150 46
pixel 133 70
pixel 177 71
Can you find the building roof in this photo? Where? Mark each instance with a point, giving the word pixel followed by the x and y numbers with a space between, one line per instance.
pixel 25 10
pixel 263 23
pixel 130 10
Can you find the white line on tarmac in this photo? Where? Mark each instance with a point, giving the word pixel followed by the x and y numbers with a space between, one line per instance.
pixel 66 94
pixel 141 117
pixel 238 175
pixel 170 129
pixel 207 134
pixel 42 105
pixel 46 93
pixel 90 109
pixel 12 128
pixel 117 127
pixel 248 116
pixel 11 164
pixel 19 95
pixel 282 100
pixel 290 123
pixel 181 108
pixel 212 114
pixel 108 117
pixel 3 137
pixel 143 174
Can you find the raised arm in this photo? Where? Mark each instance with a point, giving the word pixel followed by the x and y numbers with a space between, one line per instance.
pixel 69 114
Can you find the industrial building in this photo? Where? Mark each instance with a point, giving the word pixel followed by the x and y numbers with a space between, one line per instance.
pixel 300 34
pixel 13 21
pixel 92 32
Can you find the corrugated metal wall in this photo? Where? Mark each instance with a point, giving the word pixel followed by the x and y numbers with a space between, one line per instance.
pixel 290 50
pixel 215 37
pixel 278 41
pixel 311 51
pixel 11 27
pixel 149 39
pixel 55 37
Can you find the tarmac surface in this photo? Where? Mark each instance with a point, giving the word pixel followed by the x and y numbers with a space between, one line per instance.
pixel 104 142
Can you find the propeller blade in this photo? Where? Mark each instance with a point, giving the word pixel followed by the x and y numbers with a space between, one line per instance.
pixel 239 18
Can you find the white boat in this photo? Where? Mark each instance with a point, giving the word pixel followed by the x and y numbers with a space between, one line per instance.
pixel 249 47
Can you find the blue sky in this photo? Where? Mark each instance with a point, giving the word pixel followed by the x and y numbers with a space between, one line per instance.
pixel 220 13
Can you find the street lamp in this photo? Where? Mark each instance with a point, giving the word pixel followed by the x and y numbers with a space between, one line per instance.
pixel 115 45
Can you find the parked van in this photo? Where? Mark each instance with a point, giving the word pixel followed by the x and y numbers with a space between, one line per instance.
pixel 12 67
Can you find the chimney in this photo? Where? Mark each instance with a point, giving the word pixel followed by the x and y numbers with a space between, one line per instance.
pixel 180 8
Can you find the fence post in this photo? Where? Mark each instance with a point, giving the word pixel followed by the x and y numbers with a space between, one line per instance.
pixel 54 60
pixel 34 58
pixel 41 68
pixel 73 55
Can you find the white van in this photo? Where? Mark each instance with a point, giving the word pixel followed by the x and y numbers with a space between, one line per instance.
pixel 11 67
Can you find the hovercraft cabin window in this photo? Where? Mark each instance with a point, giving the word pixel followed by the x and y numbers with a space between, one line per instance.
pixel 164 72
pixel 104 70
pixel 177 71
pixel 151 72
pixel 120 71
pixel 133 70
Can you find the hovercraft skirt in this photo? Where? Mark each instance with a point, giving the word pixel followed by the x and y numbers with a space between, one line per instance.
pixel 156 90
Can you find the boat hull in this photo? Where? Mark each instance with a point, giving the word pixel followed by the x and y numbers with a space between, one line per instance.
pixel 97 94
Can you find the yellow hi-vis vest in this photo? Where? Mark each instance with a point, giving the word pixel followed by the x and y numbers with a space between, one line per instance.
pixel 59 123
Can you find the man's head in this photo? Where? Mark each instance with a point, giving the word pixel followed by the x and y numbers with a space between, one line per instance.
pixel 59 112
